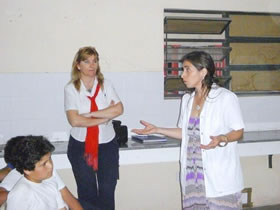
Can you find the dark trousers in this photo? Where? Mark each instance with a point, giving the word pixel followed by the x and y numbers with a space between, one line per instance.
pixel 94 195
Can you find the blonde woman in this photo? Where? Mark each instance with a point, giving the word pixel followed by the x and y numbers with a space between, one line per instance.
pixel 91 102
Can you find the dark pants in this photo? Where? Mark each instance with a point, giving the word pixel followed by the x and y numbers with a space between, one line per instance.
pixel 90 195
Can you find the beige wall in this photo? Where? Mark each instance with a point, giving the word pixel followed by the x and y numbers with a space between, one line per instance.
pixel 156 186
pixel 265 181
pixel 142 186
pixel 42 36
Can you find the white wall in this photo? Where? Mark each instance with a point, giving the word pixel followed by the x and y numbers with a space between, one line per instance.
pixel 32 103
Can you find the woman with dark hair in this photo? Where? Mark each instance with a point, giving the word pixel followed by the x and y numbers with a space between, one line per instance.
pixel 91 103
pixel 210 124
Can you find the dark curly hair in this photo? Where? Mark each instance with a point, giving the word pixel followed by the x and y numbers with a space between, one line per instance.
pixel 29 151
pixel 9 150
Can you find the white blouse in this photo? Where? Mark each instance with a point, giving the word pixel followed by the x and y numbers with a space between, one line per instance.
pixel 74 100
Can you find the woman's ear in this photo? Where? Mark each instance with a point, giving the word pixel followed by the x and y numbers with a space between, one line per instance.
pixel 203 72
pixel 78 66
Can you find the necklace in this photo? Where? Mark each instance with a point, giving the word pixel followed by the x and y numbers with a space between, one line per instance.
pixel 197 107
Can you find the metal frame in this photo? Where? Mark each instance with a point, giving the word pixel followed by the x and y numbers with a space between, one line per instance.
pixel 268 67
pixel 198 19
pixel 224 43
pixel 232 39
pixel 257 67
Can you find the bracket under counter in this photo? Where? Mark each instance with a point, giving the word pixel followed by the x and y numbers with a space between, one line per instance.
pixel 256 143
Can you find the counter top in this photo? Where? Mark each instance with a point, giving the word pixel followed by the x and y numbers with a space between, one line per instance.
pixel 249 137
pixel 260 136
pixel 254 143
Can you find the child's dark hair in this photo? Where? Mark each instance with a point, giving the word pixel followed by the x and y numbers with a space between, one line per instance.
pixel 9 150
pixel 29 151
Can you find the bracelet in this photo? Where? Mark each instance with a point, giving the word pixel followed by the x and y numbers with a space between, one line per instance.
pixel 223 143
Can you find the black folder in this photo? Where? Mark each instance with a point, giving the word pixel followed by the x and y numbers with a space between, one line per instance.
pixel 148 138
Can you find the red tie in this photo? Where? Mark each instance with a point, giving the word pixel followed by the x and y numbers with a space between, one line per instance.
pixel 91 145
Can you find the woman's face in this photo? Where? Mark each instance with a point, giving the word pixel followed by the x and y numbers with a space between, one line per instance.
pixel 191 76
pixel 88 67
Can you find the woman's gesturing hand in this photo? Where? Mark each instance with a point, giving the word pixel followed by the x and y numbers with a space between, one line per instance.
pixel 149 128
pixel 215 140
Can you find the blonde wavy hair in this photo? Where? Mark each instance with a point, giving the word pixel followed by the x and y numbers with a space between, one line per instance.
pixel 82 54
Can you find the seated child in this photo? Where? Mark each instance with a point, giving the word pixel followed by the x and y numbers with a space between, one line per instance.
pixel 11 176
pixel 33 160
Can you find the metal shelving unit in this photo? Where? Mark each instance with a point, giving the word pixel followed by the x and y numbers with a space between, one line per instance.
pixel 244 46
pixel 176 46
pixel 217 53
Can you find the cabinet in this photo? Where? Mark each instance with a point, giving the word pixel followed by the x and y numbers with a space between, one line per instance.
pixel 186 32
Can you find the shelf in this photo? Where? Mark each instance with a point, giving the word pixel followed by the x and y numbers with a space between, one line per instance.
pixel 180 69
pixel 193 25
pixel 223 81
pixel 173 69
pixel 193 40
pixel 175 83
pixel 176 53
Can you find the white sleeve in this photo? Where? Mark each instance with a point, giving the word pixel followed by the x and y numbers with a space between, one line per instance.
pixel 183 110
pixel 10 180
pixel 70 100
pixel 60 183
pixel 60 186
pixel 60 202
pixel 111 93
pixel 16 200
pixel 180 121
pixel 233 116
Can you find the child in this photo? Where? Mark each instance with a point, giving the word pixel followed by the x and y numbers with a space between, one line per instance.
pixel 33 160
pixel 11 176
